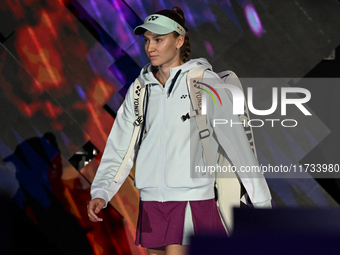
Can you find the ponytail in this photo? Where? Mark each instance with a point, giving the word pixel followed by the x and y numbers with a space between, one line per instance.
pixel 185 49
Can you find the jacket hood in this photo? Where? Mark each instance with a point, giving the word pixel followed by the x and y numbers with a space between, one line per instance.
pixel 147 75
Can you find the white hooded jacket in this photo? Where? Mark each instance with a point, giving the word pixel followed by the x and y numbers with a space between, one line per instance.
pixel 171 147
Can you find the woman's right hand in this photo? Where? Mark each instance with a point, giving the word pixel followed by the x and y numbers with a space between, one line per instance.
pixel 94 207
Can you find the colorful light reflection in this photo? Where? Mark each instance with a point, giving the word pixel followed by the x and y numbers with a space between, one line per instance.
pixel 253 20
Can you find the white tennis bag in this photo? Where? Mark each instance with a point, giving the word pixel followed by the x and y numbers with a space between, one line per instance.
pixel 227 185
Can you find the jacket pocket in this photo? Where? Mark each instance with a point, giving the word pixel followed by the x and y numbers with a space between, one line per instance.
pixel 146 175
pixel 146 179
pixel 181 178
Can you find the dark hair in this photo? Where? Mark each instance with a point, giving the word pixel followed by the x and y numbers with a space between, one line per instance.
pixel 177 15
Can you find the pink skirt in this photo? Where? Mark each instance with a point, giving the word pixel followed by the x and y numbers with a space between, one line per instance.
pixel 164 223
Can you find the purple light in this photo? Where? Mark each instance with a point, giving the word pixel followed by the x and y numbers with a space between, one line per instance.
pixel 190 17
pixel 80 92
pixel 209 48
pixel 253 20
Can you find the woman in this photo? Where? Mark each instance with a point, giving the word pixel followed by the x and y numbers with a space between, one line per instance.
pixel 173 205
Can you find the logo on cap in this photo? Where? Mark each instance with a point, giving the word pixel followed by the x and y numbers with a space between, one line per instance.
pixel 153 18
pixel 179 28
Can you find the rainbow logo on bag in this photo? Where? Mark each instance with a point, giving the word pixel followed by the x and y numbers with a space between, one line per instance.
pixel 207 91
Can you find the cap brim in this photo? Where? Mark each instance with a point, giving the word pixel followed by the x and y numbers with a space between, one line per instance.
pixel 154 28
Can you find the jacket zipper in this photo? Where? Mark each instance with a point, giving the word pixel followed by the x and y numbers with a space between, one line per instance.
pixel 173 81
pixel 162 145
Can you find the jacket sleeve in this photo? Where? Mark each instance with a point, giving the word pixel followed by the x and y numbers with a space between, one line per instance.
pixel 116 147
pixel 232 138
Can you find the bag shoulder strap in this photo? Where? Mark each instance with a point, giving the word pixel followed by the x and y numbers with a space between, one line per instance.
pixel 138 99
pixel 195 86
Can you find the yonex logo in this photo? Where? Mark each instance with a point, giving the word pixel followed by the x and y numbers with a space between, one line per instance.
pixel 137 91
pixel 153 18
pixel 197 85
pixel 136 106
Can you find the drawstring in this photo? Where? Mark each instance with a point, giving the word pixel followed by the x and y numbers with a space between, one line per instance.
pixel 174 81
